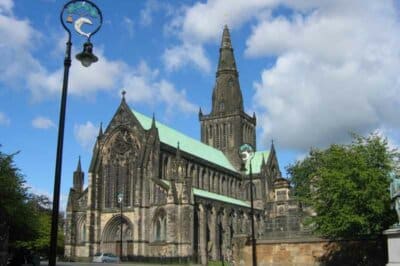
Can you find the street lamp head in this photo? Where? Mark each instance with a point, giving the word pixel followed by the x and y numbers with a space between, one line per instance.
pixel 246 152
pixel 86 57
pixel 120 197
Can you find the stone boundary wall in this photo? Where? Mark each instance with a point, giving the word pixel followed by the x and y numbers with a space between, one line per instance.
pixel 312 251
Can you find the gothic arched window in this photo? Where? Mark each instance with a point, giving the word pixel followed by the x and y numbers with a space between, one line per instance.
pixel 81 229
pixel 160 226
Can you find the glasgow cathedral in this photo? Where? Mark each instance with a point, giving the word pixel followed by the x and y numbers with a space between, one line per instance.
pixel 167 195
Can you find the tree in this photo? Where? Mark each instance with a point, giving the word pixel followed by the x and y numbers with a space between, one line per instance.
pixel 42 211
pixel 15 211
pixel 27 216
pixel 347 187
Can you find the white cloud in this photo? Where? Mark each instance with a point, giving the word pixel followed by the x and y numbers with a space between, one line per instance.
pixel 186 54
pixel 174 98
pixel 86 134
pixel 18 38
pixel 142 84
pixel 151 8
pixel 336 63
pixel 103 75
pixel 202 23
pixel 146 13
pixel 4 119
pixel 218 13
pixel 336 71
pixel 6 6
pixel 19 68
pixel 42 123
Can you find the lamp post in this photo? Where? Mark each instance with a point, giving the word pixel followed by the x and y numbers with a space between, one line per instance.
pixel 76 13
pixel 120 198
pixel 246 152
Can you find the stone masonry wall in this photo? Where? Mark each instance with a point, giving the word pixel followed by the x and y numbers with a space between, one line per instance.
pixel 314 251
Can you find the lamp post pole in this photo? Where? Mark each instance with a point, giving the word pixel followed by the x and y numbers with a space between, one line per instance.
pixel 246 152
pixel 60 140
pixel 253 239
pixel 70 10
pixel 120 200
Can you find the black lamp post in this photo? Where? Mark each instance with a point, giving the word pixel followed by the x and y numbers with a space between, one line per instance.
pixel 76 12
pixel 120 200
pixel 246 152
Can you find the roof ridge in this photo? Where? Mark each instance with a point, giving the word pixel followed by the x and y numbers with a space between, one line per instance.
pixel 195 152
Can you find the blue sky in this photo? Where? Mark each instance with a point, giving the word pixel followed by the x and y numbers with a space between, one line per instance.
pixel 313 71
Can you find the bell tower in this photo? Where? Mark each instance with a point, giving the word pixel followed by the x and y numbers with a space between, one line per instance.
pixel 227 127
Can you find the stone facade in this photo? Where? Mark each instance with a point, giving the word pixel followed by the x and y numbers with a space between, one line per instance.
pixel 308 251
pixel 182 199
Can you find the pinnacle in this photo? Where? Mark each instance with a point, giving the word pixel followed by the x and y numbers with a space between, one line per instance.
pixel 79 167
pixel 226 38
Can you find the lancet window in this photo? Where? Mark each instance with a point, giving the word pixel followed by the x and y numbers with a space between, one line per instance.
pixel 160 226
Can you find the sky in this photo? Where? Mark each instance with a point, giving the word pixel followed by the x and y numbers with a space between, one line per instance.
pixel 312 71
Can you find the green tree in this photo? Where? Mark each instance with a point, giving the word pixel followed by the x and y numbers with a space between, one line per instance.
pixel 347 187
pixel 14 210
pixel 27 216
pixel 41 243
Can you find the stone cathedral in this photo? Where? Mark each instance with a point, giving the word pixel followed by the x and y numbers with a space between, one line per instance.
pixel 182 199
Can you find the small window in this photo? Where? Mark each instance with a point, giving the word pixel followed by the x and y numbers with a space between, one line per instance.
pixel 221 106
pixel 160 226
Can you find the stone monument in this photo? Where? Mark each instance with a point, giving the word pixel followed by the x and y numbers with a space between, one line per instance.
pixel 393 234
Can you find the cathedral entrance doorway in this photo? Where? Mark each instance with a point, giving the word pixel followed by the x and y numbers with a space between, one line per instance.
pixel 111 239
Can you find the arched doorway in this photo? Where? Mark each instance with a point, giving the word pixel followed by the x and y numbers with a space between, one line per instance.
pixel 111 237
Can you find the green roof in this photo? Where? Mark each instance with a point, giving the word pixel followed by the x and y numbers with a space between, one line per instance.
pixel 172 137
pixel 214 196
pixel 257 161
pixel 218 197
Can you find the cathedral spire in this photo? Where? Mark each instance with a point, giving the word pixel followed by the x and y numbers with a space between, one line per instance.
pixel 227 96
pixel 227 126
pixel 226 58
pixel 78 177
pixel 79 167
pixel 226 38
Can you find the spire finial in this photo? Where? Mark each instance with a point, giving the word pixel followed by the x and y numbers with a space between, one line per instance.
pixel 153 121
pixel 272 145
pixel 123 94
pixel 226 38
pixel 79 167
